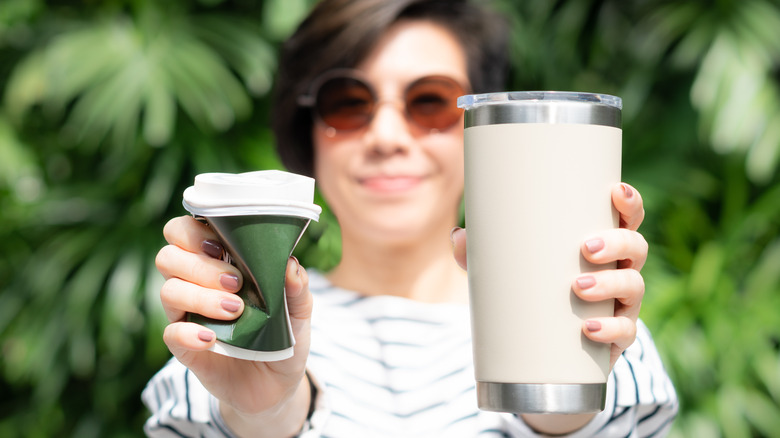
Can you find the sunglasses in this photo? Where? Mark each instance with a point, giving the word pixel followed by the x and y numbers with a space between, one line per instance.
pixel 343 100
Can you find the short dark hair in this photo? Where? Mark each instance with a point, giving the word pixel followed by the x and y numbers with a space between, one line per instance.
pixel 341 33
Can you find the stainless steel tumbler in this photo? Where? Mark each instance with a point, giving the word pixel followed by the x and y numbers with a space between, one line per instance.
pixel 539 167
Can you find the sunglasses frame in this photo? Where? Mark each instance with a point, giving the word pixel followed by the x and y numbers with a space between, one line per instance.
pixel 309 99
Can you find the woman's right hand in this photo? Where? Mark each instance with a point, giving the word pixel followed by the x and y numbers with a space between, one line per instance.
pixel 198 281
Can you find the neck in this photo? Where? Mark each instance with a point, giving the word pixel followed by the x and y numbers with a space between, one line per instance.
pixel 423 270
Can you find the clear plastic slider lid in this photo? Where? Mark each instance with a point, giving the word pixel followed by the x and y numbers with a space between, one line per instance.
pixel 541 107
pixel 260 192
pixel 473 100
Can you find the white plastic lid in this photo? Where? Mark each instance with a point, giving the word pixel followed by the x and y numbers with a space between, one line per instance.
pixel 259 192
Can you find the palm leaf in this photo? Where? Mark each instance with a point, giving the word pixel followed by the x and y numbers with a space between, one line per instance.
pixel 114 78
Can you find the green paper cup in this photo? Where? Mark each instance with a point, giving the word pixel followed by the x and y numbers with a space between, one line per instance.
pixel 259 217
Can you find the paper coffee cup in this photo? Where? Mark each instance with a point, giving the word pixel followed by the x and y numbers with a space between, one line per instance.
pixel 259 218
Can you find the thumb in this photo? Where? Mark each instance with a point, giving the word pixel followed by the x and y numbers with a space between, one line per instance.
pixel 299 299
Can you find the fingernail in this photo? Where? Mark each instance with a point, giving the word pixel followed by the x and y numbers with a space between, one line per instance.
pixel 594 245
pixel 593 326
pixel 452 234
pixel 212 248
pixel 297 266
pixel 205 336
pixel 627 191
pixel 228 281
pixel 230 305
pixel 586 282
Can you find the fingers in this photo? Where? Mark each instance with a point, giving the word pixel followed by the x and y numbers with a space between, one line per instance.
pixel 189 234
pixel 458 238
pixel 173 261
pixel 196 281
pixel 199 284
pixel 180 297
pixel 628 203
pixel 194 254
pixel 618 331
pixel 627 287
pixel 182 337
pixel 299 306
pixel 624 285
pixel 627 247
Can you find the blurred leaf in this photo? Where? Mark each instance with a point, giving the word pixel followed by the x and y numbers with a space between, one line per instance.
pixel 762 412
pixel 14 15
pixel 237 42
pixel 121 315
pixel 768 369
pixel 703 277
pixel 731 405
pixel 281 17
pixel 735 88
pixel 118 73
pixel 18 170
pixel 697 425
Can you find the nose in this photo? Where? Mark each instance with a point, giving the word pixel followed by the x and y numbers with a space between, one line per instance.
pixel 388 132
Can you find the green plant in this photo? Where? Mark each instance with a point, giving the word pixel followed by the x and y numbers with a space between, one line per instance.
pixel 109 109
pixel 106 118
pixel 700 87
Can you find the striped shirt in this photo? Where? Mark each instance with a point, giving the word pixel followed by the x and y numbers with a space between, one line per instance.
pixel 391 367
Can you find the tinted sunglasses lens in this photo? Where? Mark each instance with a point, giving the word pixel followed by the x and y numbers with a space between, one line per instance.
pixel 432 102
pixel 345 103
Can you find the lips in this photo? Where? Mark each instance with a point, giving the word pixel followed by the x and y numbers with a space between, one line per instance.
pixel 390 183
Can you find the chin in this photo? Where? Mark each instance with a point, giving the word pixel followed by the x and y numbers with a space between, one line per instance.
pixel 398 237
pixel 397 221
pixel 403 229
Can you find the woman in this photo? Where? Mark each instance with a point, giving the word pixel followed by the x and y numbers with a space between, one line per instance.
pixel 365 105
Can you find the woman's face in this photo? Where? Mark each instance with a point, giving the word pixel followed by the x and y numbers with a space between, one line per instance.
pixel 393 180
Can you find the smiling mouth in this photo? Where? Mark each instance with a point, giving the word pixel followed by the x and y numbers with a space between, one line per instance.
pixel 390 184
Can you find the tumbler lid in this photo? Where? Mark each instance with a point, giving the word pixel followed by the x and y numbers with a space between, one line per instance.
pixel 541 107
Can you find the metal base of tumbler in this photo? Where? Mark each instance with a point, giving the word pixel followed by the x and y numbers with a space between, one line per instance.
pixel 531 398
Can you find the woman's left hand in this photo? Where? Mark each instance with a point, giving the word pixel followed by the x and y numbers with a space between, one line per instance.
pixel 625 284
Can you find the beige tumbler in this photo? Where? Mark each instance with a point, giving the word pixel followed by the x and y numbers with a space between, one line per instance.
pixel 539 167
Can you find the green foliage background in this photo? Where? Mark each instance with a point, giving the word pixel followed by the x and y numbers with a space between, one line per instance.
pixel 110 108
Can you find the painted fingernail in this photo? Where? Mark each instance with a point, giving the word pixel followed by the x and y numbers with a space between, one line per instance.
pixel 594 245
pixel 205 336
pixel 593 326
pixel 212 248
pixel 228 281
pixel 586 282
pixel 627 191
pixel 230 305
